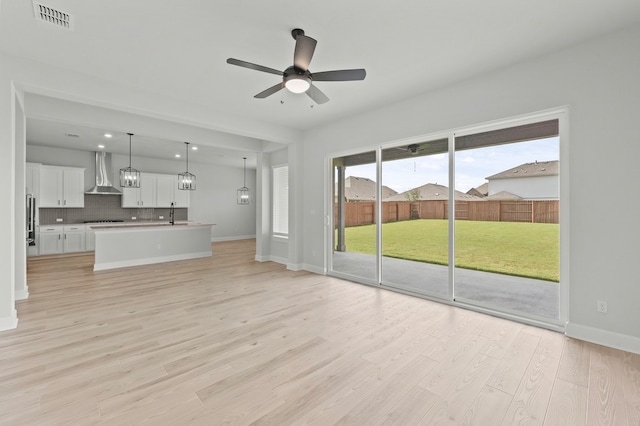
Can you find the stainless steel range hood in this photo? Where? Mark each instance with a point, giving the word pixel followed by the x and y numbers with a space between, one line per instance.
pixel 103 169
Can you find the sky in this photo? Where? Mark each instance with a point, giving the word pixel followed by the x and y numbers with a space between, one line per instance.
pixel 471 167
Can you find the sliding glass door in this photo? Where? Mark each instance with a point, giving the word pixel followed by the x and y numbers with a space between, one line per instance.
pixel 469 217
pixel 507 237
pixel 414 209
pixel 354 238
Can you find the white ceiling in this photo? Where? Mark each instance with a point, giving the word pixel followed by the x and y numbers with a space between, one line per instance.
pixel 408 47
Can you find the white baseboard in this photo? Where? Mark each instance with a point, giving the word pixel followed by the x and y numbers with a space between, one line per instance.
pixel 315 269
pixel 9 323
pixel 294 267
pixel 234 238
pixel 278 259
pixel 22 294
pixel 603 337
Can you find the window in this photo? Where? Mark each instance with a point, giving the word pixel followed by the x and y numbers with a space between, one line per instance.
pixel 281 201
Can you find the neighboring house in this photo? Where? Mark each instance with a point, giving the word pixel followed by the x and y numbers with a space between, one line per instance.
pixel 529 181
pixel 430 191
pixel 502 195
pixel 364 189
pixel 480 191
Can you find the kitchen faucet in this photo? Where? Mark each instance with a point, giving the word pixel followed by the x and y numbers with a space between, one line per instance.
pixel 172 214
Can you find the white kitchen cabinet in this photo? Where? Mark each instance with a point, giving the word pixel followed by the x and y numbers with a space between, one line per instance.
pixel 168 192
pixel 61 186
pixel 61 239
pixel 50 239
pixel 180 197
pixel 165 191
pixel 142 197
pixel 73 238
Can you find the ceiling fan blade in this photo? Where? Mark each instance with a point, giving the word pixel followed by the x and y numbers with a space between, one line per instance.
pixel 317 95
pixel 305 46
pixel 270 91
pixel 256 67
pixel 340 75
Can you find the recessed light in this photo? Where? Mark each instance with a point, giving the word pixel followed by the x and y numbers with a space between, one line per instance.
pixel 195 148
pixel 177 155
pixel 108 135
pixel 101 146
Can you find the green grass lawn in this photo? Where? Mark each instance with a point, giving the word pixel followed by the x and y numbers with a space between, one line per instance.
pixel 522 249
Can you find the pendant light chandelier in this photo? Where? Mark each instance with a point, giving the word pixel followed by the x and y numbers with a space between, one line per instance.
pixel 129 177
pixel 186 180
pixel 243 193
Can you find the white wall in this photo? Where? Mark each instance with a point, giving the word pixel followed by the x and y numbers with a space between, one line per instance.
pixel 214 200
pixel 598 80
pixel 529 188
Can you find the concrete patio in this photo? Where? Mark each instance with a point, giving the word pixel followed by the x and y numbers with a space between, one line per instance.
pixel 504 293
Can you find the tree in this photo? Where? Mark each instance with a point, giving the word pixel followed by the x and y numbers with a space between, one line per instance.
pixel 412 195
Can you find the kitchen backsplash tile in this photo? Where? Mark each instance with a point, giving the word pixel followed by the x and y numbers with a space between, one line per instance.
pixel 106 207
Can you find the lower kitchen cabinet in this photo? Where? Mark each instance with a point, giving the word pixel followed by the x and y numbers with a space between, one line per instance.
pixel 74 238
pixel 62 239
pixel 50 240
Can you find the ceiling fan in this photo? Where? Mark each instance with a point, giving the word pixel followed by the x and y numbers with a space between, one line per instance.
pixel 297 78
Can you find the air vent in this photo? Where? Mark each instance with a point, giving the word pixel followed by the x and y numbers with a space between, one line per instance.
pixel 72 135
pixel 52 16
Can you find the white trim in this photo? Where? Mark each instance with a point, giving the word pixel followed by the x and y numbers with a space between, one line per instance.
pixel 315 269
pixel 9 323
pixel 262 258
pixel 149 260
pixel 603 337
pixel 233 238
pixel 22 294
pixel 279 259
pixel 294 266
pixel 518 120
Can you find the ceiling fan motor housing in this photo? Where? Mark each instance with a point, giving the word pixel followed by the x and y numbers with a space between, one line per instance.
pixel 297 80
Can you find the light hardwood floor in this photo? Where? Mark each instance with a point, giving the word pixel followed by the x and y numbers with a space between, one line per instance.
pixel 226 340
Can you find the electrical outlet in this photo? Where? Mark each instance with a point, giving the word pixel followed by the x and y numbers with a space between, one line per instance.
pixel 160 217
pixel 58 219
pixel 602 306
pixel 133 218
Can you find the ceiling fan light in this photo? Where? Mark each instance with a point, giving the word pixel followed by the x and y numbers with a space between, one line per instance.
pixel 297 83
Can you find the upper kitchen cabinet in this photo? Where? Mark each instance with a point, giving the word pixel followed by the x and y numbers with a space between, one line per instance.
pixel 181 197
pixel 168 192
pixel 61 186
pixel 145 196
pixel 156 190
pixel 165 190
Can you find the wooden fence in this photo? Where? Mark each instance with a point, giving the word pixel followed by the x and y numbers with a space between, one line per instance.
pixel 363 212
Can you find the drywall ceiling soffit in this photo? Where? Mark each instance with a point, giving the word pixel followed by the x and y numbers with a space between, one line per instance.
pixel 61 135
pixel 44 108
pixel 179 48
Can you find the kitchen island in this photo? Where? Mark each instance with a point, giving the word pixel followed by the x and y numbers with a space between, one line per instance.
pixel 122 245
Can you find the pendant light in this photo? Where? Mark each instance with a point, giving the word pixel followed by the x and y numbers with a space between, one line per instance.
pixel 186 180
pixel 243 193
pixel 129 177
